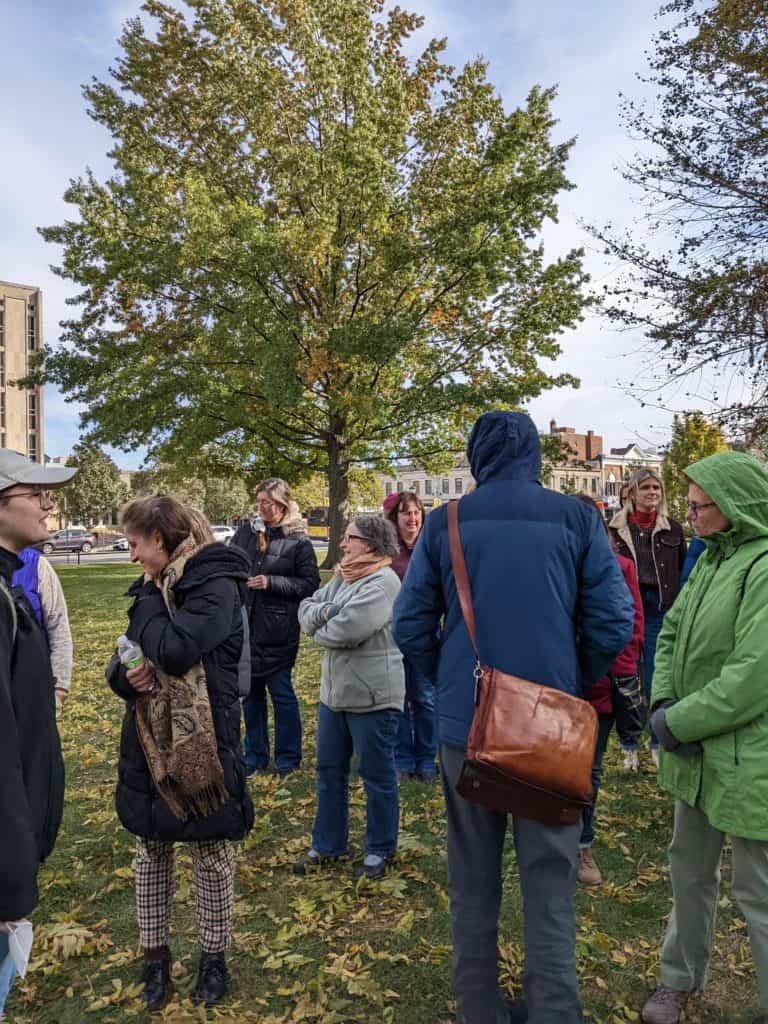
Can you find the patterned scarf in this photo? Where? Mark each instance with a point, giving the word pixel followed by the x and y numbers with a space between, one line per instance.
pixel 352 569
pixel 175 724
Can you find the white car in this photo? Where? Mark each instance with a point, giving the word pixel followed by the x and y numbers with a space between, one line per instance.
pixel 223 533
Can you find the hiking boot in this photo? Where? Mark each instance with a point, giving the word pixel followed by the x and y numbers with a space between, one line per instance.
pixel 631 761
pixel 374 866
pixel 665 1005
pixel 312 860
pixel 156 978
pixel 589 872
pixel 211 979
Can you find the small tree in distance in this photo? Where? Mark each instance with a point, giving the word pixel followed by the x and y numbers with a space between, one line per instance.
pixel 96 490
pixel 693 438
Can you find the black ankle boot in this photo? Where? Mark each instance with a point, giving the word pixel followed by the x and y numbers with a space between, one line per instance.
pixel 156 978
pixel 211 978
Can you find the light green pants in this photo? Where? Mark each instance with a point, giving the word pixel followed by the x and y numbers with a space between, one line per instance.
pixel 694 862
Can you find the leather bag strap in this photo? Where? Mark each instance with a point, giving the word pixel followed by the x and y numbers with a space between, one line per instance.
pixel 460 574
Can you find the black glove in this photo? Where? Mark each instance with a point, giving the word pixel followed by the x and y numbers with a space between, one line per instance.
pixel 667 738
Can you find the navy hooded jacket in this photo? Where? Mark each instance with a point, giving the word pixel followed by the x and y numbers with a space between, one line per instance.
pixel 550 601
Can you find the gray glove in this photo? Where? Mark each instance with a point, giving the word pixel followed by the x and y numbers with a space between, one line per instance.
pixel 667 738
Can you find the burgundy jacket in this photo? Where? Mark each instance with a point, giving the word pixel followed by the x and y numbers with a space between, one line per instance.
pixel 625 664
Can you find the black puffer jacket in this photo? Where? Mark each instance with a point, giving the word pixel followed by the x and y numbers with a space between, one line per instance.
pixel 207 626
pixel 290 563
pixel 31 767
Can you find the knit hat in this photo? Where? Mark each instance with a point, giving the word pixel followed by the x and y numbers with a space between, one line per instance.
pixel 389 502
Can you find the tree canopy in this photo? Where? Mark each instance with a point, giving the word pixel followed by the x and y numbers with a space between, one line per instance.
pixel 698 288
pixel 315 252
pixel 693 438
pixel 96 490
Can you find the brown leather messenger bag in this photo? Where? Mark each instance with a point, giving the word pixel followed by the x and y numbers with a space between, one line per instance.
pixel 530 747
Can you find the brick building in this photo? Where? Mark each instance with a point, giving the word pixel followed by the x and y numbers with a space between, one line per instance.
pixel 21 411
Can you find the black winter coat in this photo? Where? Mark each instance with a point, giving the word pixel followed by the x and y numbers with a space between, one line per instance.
pixel 207 626
pixel 31 766
pixel 291 565
pixel 669 549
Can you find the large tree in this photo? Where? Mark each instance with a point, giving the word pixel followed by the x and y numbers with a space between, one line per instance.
pixel 314 252
pixel 697 283
pixel 96 490
pixel 693 438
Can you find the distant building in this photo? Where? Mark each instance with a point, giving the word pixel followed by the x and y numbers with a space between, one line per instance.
pixel 21 411
pixel 432 488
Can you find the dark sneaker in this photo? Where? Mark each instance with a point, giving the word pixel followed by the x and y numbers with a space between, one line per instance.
pixel 312 861
pixel 211 979
pixel 156 978
pixel 374 866
pixel 665 1005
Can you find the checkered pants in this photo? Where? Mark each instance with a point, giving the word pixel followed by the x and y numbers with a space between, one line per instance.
pixel 213 868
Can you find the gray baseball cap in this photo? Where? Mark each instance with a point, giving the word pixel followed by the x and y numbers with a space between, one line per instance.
pixel 18 469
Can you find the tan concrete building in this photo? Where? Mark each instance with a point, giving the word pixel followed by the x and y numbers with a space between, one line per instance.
pixel 21 411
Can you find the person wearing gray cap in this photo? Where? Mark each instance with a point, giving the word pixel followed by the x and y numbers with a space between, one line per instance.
pixel 31 766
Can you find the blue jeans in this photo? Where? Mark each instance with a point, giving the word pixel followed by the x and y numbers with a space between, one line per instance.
pixel 654 620
pixel 287 723
pixel 372 737
pixel 604 726
pixel 417 727
pixel 7 971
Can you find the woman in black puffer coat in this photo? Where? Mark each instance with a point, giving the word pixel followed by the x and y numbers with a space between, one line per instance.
pixel 283 571
pixel 181 774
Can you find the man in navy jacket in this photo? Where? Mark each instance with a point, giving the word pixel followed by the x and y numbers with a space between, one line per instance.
pixel 551 606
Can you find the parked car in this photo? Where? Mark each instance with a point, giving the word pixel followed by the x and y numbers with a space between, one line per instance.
pixel 121 544
pixel 75 539
pixel 223 532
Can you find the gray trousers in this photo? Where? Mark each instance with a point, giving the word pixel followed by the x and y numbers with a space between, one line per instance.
pixel 547 859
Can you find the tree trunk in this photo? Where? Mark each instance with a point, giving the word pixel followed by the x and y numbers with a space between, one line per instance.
pixel 338 495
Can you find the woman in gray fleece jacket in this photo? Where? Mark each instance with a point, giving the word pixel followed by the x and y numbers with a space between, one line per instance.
pixel 362 688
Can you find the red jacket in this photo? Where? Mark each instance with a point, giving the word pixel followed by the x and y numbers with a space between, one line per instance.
pixel 625 664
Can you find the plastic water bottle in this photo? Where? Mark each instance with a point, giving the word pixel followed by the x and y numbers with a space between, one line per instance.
pixel 129 652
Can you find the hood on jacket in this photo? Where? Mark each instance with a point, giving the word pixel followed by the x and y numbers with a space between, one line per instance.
pixel 504 446
pixel 739 486
pixel 214 560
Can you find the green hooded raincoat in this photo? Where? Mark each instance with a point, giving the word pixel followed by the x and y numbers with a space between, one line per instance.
pixel 712 658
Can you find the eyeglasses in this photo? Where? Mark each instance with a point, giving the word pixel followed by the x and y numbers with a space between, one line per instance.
pixel 44 497
pixel 265 504
pixel 355 536
pixel 694 509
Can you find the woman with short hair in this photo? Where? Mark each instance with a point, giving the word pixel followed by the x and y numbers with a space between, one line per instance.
pixel 417 733
pixel 283 571
pixel 181 774
pixel 644 531
pixel 361 696
pixel 710 711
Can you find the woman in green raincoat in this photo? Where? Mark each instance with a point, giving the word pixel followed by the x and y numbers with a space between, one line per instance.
pixel 710 711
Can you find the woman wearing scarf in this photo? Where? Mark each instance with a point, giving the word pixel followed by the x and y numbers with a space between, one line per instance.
pixel 643 531
pixel 417 735
pixel 361 696
pixel 181 773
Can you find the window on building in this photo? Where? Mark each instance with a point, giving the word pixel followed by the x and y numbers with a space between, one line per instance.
pixel 32 408
pixel 2 411
pixel 585 484
pixel 594 485
pixel 562 483
pixel 31 327
pixel 445 485
pixel 458 485
pixel 33 446
pixel 428 487
pixel 388 488
pixel 2 323
pixel 414 486
pixel 400 487
pixel 2 368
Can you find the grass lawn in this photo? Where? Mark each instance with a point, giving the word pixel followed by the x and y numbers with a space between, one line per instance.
pixel 324 949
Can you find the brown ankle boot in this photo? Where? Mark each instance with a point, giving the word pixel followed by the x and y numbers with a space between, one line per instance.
pixel 589 872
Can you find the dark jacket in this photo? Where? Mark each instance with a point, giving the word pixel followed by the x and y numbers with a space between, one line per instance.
pixel 538 563
pixel 291 565
pixel 207 626
pixel 668 550
pixel 31 766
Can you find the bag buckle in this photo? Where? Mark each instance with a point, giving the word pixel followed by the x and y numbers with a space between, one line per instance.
pixel 478 674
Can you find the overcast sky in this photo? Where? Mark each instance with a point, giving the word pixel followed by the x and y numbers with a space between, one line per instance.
pixel 591 50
